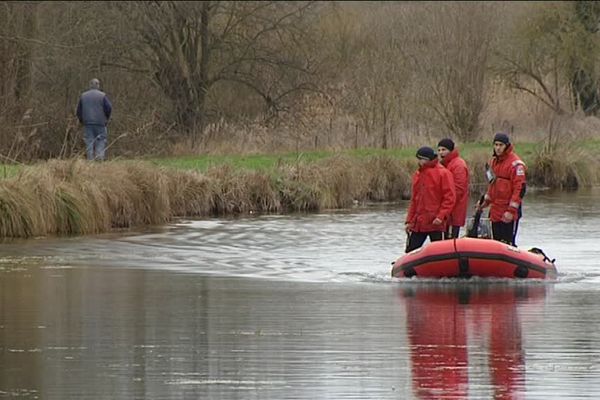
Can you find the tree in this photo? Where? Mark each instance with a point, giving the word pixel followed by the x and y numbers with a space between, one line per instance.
pixel 19 22
pixel 368 58
pixel 18 35
pixel 189 47
pixel 584 81
pixel 551 51
pixel 449 49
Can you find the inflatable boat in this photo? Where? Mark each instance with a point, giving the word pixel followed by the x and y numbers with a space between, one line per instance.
pixel 466 257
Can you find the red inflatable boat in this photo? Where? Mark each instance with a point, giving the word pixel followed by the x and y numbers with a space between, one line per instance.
pixel 467 257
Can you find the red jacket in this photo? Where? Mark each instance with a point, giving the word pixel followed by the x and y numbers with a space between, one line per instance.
pixel 460 173
pixel 433 196
pixel 507 189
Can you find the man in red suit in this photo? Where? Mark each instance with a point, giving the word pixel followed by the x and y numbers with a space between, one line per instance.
pixel 431 202
pixel 506 190
pixel 450 158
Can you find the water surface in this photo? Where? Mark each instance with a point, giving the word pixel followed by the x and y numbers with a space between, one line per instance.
pixel 296 307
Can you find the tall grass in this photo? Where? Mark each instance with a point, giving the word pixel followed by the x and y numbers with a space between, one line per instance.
pixel 78 197
pixel 558 163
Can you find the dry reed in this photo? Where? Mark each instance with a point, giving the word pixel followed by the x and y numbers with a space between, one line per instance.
pixel 79 197
pixel 559 164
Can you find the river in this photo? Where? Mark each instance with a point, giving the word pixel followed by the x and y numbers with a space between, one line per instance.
pixel 297 307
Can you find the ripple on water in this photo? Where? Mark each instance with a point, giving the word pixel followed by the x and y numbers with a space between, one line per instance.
pixel 349 246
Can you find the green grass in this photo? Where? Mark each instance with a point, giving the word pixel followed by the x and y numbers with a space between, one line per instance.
pixel 566 166
pixel 269 161
pixel 6 170
pixel 250 162
pixel 479 151
pixel 261 162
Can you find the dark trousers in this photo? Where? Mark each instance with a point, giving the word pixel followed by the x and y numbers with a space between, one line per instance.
pixel 416 239
pixel 505 231
pixel 452 232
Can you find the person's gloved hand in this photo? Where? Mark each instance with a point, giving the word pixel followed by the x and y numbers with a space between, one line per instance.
pixel 479 206
pixel 507 217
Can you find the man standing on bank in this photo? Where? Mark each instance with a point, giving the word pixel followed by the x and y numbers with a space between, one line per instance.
pixel 93 111
pixel 431 202
pixel 506 190
pixel 450 158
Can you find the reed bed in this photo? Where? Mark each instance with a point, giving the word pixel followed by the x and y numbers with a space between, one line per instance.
pixel 79 197
pixel 561 164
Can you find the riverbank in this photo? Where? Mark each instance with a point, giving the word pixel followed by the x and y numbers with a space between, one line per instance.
pixel 79 197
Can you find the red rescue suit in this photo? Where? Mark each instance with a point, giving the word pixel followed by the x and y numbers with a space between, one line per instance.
pixel 433 196
pixel 460 173
pixel 508 187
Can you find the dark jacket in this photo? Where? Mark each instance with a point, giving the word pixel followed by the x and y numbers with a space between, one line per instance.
pixel 94 108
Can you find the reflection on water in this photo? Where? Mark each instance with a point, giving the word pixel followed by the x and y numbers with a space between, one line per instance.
pixel 296 307
pixel 445 323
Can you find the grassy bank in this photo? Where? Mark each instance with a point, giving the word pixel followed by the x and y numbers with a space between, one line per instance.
pixel 553 163
pixel 78 197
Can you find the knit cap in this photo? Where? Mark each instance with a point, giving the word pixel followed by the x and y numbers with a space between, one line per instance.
pixel 502 137
pixel 426 153
pixel 446 143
